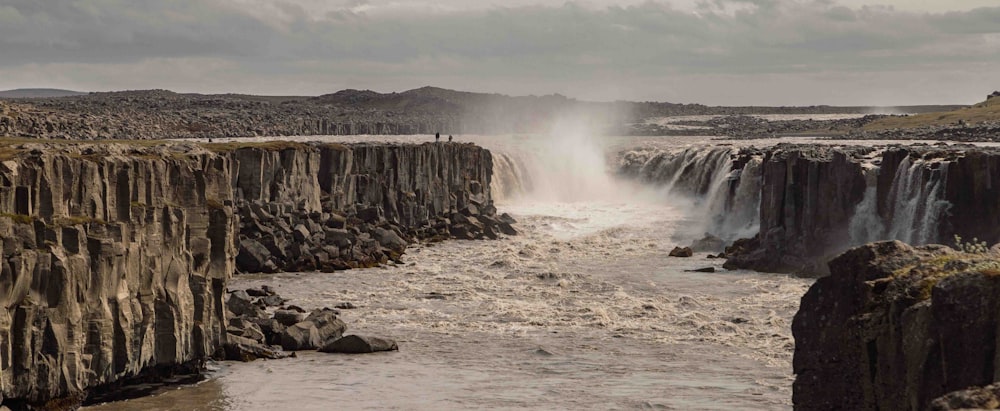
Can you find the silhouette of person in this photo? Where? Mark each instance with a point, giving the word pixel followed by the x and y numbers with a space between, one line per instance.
pixel 437 137
pixel 449 138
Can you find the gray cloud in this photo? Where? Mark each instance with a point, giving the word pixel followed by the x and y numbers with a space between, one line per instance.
pixel 692 51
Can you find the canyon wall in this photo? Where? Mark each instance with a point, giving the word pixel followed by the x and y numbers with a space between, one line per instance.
pixel 329 206
pixel 116 256
pixel 818 201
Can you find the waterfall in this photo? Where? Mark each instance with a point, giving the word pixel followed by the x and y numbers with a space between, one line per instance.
pixel 510 177
pixel 866 225
pixel 918 202
pixel 727 199
pixel 738 215
pixel 915 209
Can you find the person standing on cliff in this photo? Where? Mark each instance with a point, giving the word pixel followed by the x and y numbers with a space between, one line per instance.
pixel 437 137
pixel 449 138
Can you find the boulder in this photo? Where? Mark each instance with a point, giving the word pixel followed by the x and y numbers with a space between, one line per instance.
pixel 506 228
pixel 709 243
pixel 289 317
pixel 253 257
pixel 301 336
pixel 245 350
pixel 328 326
pixel 389 239
pixel 681 252
pixel 241 304
pixel 506 218
pixel 356 344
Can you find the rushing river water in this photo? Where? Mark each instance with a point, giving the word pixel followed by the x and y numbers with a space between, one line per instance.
pixel 583 310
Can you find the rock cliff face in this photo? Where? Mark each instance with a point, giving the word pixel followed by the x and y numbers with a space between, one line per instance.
pixel 329 207
pixel 116 256
pixel 894 327
pixel 115 262
pixel 818 201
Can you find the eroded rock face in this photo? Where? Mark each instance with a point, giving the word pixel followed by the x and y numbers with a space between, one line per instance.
pixel 326 207
pixel 812 201
pixel 115 261
pixel 894 327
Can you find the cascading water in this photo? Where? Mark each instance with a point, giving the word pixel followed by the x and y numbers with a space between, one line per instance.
pixel 915 206
pixel 866 225
pixel 918 194
pixel 727 198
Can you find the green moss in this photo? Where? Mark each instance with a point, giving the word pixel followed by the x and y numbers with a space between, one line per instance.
pixel 19 218
pixel 263 145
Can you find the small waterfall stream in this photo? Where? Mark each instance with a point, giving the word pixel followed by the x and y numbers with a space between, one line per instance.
pixel 915 208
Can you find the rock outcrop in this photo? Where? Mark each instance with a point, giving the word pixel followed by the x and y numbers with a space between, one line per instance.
pixel 115 261
pixel 895 327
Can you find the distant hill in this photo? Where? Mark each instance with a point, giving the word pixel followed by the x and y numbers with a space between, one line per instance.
pixel 984 112
pixel 39 93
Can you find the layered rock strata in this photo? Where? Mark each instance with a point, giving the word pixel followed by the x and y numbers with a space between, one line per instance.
pixel 895 327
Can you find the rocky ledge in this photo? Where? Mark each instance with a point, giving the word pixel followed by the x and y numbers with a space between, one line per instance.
pixel 896 327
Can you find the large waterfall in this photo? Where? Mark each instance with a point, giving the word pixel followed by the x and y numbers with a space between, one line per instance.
pixel 726 196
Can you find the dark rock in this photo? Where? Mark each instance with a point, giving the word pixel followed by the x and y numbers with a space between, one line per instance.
pixel 328 326
pixel 289 317
pixel 345 306
pixel 241 304
pixel 258 292
pixel 389 239
pixel 709 243
pixel 702 270
pixel 506 218
pixel 894 327
pixel 301 336
pixel 245 350
pixel 506 228
pixel 273 301
pixel 681 252
pixel 252 257
pixel 354 344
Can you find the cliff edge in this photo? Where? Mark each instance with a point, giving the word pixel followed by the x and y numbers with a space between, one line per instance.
pixel 894 327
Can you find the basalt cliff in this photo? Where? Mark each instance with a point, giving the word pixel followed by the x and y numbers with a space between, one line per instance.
pixel 791 208
pixel 116 257
pixel 895 327
pixel 818 201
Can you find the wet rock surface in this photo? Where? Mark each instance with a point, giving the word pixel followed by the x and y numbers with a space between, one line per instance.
pixel 895 327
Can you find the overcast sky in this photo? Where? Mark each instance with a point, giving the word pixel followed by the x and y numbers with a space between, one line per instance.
pixel 720 52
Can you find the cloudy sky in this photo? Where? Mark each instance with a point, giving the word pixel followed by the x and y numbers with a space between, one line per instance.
pixel 773 52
